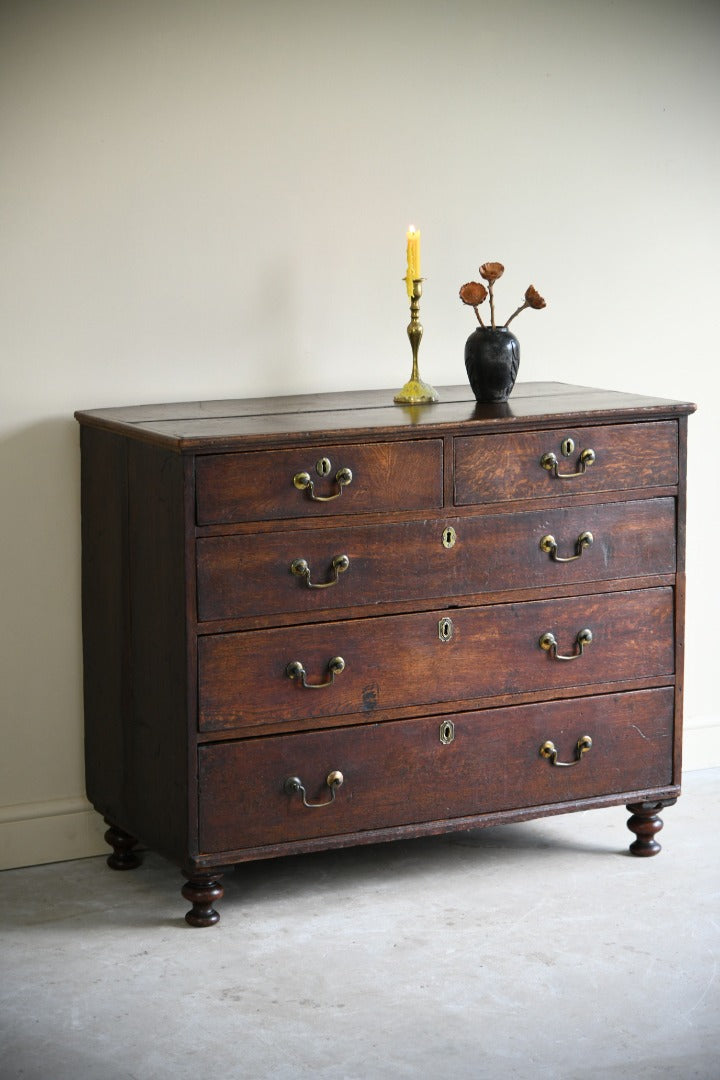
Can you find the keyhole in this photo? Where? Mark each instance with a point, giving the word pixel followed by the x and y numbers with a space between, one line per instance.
pixel 323 467
pixel 445 629
pixel 567 447
pixel 447 732
pixel 449 537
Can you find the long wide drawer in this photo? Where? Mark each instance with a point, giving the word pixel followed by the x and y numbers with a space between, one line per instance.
pixel 401 772
pixel 364 665
pixel 493 468
pixel 307 570
pixel 320 481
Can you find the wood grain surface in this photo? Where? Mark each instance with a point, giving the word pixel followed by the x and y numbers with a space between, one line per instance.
pixel 399 660
pixel 400 772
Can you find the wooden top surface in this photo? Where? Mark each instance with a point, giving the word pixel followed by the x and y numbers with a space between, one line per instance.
pixel 218 425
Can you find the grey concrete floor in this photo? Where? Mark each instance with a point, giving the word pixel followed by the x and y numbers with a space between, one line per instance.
pixel 532 952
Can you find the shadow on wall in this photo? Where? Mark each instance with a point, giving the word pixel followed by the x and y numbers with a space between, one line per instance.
pixel 41 652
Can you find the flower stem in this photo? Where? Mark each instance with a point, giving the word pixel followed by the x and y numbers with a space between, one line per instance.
pixel 478 316
pixel 492 304
pixel 521 308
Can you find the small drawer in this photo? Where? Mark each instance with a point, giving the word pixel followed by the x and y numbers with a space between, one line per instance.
pixel 565 461
pixel 313 570
pixel 319 481
pixel 432 769
pixel 363 666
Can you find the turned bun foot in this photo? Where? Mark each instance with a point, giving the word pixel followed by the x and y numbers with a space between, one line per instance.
pixel 202 889
pixel 646 823
pixel 123 857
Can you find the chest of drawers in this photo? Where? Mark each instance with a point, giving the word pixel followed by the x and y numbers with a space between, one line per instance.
pixel 321 621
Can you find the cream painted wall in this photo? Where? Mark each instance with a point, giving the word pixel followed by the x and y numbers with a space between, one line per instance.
pixel 209 199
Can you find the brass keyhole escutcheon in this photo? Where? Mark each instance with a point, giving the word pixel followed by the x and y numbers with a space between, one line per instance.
pixel 323 467
pixel 447 732
pixel 567 447
pixel 445 629
pixel 449 537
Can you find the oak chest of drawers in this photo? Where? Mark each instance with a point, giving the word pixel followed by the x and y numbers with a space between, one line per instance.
pixel 320 621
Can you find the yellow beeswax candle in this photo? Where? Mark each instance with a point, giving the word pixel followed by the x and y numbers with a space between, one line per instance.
pixel 413 258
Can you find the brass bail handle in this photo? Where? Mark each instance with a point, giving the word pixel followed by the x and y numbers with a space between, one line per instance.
pixel 303 482
pixel 548 751
pixel 548 544
pixel 294 786
pixel 550 462
pixel 301 568
pixel 548 642
pixel 295 670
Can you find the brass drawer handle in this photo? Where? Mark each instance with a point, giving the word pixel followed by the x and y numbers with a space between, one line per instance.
pixel 304 482
pixel 548 642
pixel 294 786
pixel 548 544
pixel 295 670
pixel 547 750
pixel 550 462
pixel 301 568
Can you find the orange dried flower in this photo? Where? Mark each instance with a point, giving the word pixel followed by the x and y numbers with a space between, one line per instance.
pixel 473 293
pixel 533 298
pixel 491 271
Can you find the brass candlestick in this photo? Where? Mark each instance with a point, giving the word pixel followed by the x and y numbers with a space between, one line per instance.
pixel 415 391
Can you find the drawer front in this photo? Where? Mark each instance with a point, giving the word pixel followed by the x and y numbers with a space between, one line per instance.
pixel 253 575
pixel 430 657
pixel 264 485
pixel 492 468
pixel 401 773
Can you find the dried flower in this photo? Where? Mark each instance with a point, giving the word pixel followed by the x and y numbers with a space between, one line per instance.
pixel 533 298
pixel 473 293
pixel 491 271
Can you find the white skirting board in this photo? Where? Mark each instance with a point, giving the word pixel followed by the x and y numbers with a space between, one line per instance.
pixel 34 833
pixel 62 829
pixel 701 743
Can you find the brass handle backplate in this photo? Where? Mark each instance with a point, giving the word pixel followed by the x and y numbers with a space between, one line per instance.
pixel 294 786
pixel 548 544
pixel 548 642
pixel 295 670
pixel 550 462
pixel 304 482
pixel 547 750
pixel 301 568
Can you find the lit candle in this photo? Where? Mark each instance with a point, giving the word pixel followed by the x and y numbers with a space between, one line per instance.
pixel 413 258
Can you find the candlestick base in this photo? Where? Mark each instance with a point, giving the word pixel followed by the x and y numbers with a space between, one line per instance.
pixel 416 392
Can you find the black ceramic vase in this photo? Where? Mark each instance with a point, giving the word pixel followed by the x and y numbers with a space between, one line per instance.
pixel 492 359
